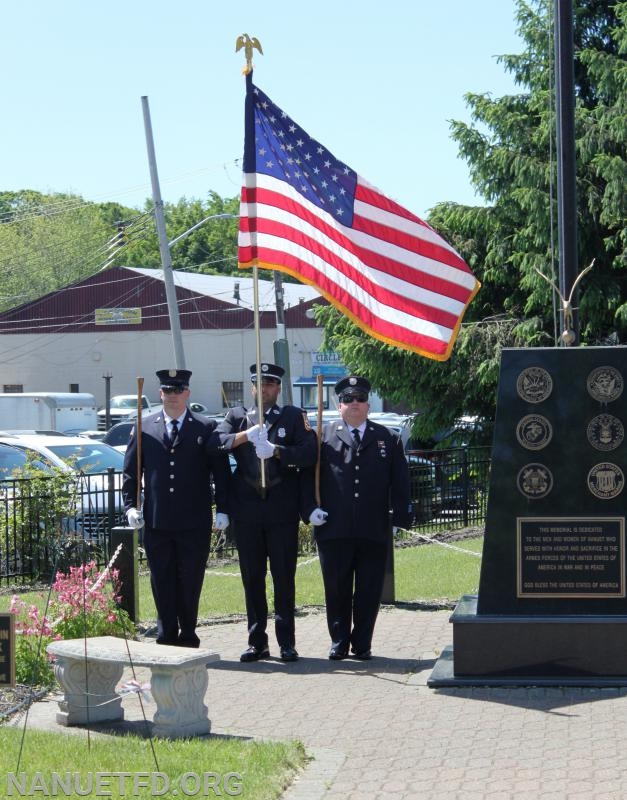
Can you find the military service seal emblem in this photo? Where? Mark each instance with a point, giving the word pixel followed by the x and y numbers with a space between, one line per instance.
pixel 534 385
pixel 534 432
pixel 534 481
pixel 606 480
pixel 605 432
pixel 605 384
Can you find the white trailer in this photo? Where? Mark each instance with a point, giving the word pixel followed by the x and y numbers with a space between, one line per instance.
pixel 52 411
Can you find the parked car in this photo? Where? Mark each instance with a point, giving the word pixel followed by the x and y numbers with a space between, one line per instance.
pixel 74 453
pixel 89 461
pixel 13 461
pixel 123 406
pixel 328 415
pixel 31 432
pixel 98 435
pixel 118 435
pixel 423 487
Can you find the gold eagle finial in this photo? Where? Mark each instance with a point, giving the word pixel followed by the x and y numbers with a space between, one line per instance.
pixel 248 44
pixel 568 335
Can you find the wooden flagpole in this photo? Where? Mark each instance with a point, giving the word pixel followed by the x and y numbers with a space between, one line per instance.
pixel 138 433
pixel 320 385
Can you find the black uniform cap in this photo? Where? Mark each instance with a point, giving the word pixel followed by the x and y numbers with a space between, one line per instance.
pixel 174 378
pixel 352 384
pixel 272 371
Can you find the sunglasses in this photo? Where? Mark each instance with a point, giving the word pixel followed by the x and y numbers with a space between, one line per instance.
pixel 353 398
pixel 173 389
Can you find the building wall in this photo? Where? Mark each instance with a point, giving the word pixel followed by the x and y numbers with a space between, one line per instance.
pixel 51 362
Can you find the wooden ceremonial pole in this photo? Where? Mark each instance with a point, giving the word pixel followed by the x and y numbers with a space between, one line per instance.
pixel 138 433
pixel 320 384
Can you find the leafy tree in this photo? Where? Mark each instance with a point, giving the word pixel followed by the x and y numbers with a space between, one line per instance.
pixel 509 148
pixel 210 249
pixel 50 241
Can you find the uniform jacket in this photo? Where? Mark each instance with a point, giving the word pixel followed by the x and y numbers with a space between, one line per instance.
pixel 177 478
pixel 360 486
pixel 297 450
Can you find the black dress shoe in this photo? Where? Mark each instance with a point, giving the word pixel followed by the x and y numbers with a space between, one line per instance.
pixel 289 654
pixel 365 655
pixel 254 653
pixel 337 654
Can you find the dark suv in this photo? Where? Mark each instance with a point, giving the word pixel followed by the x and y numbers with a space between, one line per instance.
pixel 118 435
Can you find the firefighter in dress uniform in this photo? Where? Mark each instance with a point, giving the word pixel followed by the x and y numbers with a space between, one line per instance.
pixel 363 477
pixel 180 452
pixel 265 520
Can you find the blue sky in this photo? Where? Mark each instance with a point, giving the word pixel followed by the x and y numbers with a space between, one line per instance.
pixel 375 82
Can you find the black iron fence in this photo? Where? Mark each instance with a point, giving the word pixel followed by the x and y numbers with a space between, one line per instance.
pixel 449 488
pixel 48 524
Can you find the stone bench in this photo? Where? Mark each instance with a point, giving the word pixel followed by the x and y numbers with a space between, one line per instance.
pixel 89 669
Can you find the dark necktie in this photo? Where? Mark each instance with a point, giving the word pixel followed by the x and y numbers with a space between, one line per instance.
pixel 356 437
pixel 175 431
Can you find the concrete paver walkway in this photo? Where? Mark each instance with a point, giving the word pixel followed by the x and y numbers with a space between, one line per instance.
pixel 376 730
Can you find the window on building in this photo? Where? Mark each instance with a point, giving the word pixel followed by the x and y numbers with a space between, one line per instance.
pixel 309 397
pixel 13 388
pixel 74 388
pixel 232 394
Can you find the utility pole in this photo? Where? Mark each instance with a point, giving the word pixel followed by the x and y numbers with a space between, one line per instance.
pixel 280 345
pixel 166 261
pixel 107 378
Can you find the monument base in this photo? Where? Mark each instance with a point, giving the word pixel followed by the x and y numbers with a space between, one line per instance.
pixel 507 650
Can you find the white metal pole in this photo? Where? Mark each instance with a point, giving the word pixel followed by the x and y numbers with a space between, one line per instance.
pixel 164 249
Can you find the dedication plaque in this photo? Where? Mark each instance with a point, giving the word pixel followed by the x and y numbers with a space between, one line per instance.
pixel 571 557
pixel 7 649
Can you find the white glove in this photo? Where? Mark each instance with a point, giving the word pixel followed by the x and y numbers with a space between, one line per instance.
pixel 318 516
pixel 253 434
pixel 135 518
pixel 221 522
pixel 264 448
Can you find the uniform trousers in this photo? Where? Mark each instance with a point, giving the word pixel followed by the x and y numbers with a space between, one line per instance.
pixel 177 561
pixel 353 571
pixel 259 540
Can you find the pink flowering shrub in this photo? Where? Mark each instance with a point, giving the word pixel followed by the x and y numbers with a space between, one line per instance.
pixel 33 633
pixel 79 606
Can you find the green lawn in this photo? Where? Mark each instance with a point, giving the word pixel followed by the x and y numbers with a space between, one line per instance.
pixel 262 769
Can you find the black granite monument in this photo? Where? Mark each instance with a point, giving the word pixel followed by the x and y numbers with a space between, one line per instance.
pixel 552 602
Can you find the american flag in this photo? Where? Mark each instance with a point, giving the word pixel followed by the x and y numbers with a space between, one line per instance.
pixel 306 213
